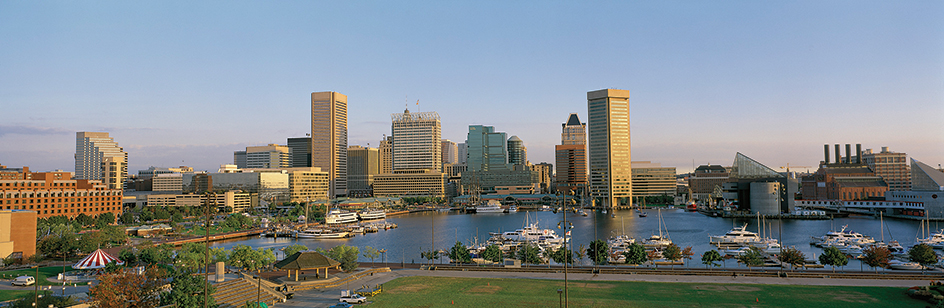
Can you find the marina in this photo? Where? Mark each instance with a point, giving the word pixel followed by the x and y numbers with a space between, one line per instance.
pixel 687 229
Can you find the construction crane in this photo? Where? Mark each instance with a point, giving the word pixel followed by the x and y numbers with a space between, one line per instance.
pixel 788 168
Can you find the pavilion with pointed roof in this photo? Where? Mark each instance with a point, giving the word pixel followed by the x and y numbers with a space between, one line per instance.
pixel 760 188
pixel 307 260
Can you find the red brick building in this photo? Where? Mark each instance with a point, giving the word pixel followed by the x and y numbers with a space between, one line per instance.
pixel 56 194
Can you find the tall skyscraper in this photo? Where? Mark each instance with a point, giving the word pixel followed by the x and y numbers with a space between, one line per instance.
pixel 609 147
pixel 301 151
pixel 450 152
pixel 571 156
pixel 98 157
pixel 329 138
pixel 517 153
pixel 417 141
pixel 487 149
pixel 386 155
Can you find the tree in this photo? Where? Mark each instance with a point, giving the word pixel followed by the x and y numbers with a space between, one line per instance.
pixel 876 256
pixel 751 258
pixel 292 249
pixel 430 255
pixel 710 257
pixel 187 291
pixel 123 289
pixel 58 245
pixel 127 254
pixel 792 256
pixel 126 218
pixel 156 254
pixel 672 253
pixel 598 251
pixel 253 259
pixel 833 257
pixel 493 253
pixel 636 254
pixel 562 255
pixel 347 255
pixel 104 219
pixel 687 253
pixel 922 254
pixel 459 253
pixel 90 241
pixel 371 253
pixel 84 220
pixel 530 254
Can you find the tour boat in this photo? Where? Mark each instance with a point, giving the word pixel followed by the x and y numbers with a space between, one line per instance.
pixel 322 233
pixel 492 206
pixel 337 216
pixel 368 214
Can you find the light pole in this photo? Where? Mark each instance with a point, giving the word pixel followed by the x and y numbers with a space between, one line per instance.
pixel 560 298
pixel 383 256
pixel 568 254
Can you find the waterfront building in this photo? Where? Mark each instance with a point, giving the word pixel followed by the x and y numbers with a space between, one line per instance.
pixel 454 170
pixel 609 147
pixel 417 141
pixel 450 152
pixel 307 183
pixel 516 190
pixel 845 179
pixel 517 153
pixel 411 183
pixel 759 188
pixel 301 151
pixel 56 194
pixel 228 201
pixel 98 157
pixel 386 154
pixel 271 185
pixel 927 187
pixel 262 157
pixel 329 138
pixel 362 165
pixel 17 233
pixel 651 179
pixel 153 171
pixel 891 166
pixel 706 180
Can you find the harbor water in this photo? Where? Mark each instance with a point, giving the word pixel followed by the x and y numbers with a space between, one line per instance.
pixel 419 231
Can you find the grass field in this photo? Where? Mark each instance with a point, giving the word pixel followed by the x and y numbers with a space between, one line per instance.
pixel 488 293
pixel 49 271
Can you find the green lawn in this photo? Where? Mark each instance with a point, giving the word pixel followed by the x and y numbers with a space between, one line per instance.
pixel 473 292
pixel 50 271
pixel 8 295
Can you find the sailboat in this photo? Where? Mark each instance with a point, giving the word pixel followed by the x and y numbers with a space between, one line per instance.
pixel 660 240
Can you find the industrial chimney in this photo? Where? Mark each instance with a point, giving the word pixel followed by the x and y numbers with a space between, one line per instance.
pixel 859 153
pixel 838 158
pixel 826 153
pixel 848 153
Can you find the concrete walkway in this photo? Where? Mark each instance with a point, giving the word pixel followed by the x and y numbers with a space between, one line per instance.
pixel 328 297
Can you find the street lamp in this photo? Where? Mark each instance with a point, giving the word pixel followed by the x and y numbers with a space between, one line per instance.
pixel 383 256
pixel 560 298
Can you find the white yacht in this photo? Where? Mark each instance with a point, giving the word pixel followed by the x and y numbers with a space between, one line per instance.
pixel 658 240
pixel 512 209
pixel 337 216
pixel 936 240
pixel 735 236
pixel 492 206
pixel 368 214
pixel 322 233
pixel 900 265
pixel 843 236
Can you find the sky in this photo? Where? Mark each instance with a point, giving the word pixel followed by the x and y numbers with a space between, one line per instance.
pixel 189 82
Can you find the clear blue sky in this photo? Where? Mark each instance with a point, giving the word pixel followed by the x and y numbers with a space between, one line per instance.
pixel 178 82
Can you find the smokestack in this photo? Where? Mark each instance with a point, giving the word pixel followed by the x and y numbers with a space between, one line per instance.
pixel 838 158
pixel 858 153
pixel 848 154
pixel 826 152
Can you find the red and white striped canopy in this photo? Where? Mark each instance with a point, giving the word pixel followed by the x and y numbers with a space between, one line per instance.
pixel 97 259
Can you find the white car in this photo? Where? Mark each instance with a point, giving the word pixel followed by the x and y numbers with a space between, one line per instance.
pixel 24 281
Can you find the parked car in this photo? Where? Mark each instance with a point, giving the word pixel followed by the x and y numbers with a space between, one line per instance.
pixel 24 281
pixel 352 298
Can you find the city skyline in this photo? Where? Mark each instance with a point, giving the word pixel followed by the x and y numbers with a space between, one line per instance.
pixel 188 84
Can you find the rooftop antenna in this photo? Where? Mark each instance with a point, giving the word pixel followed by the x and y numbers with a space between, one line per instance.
pixel 417 105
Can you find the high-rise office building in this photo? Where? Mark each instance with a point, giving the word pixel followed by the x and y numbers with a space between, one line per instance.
pixel 463 150
pixel 417 141
pixel 301 151
pixel 386 155
pixel 264 157
pixel 329 138
pixel 609 147
pixel 487 149
pixel 450 152
pixel 362 165
pixel 651 179
pixel 517 153
pixel 98 157
pixel 571 157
